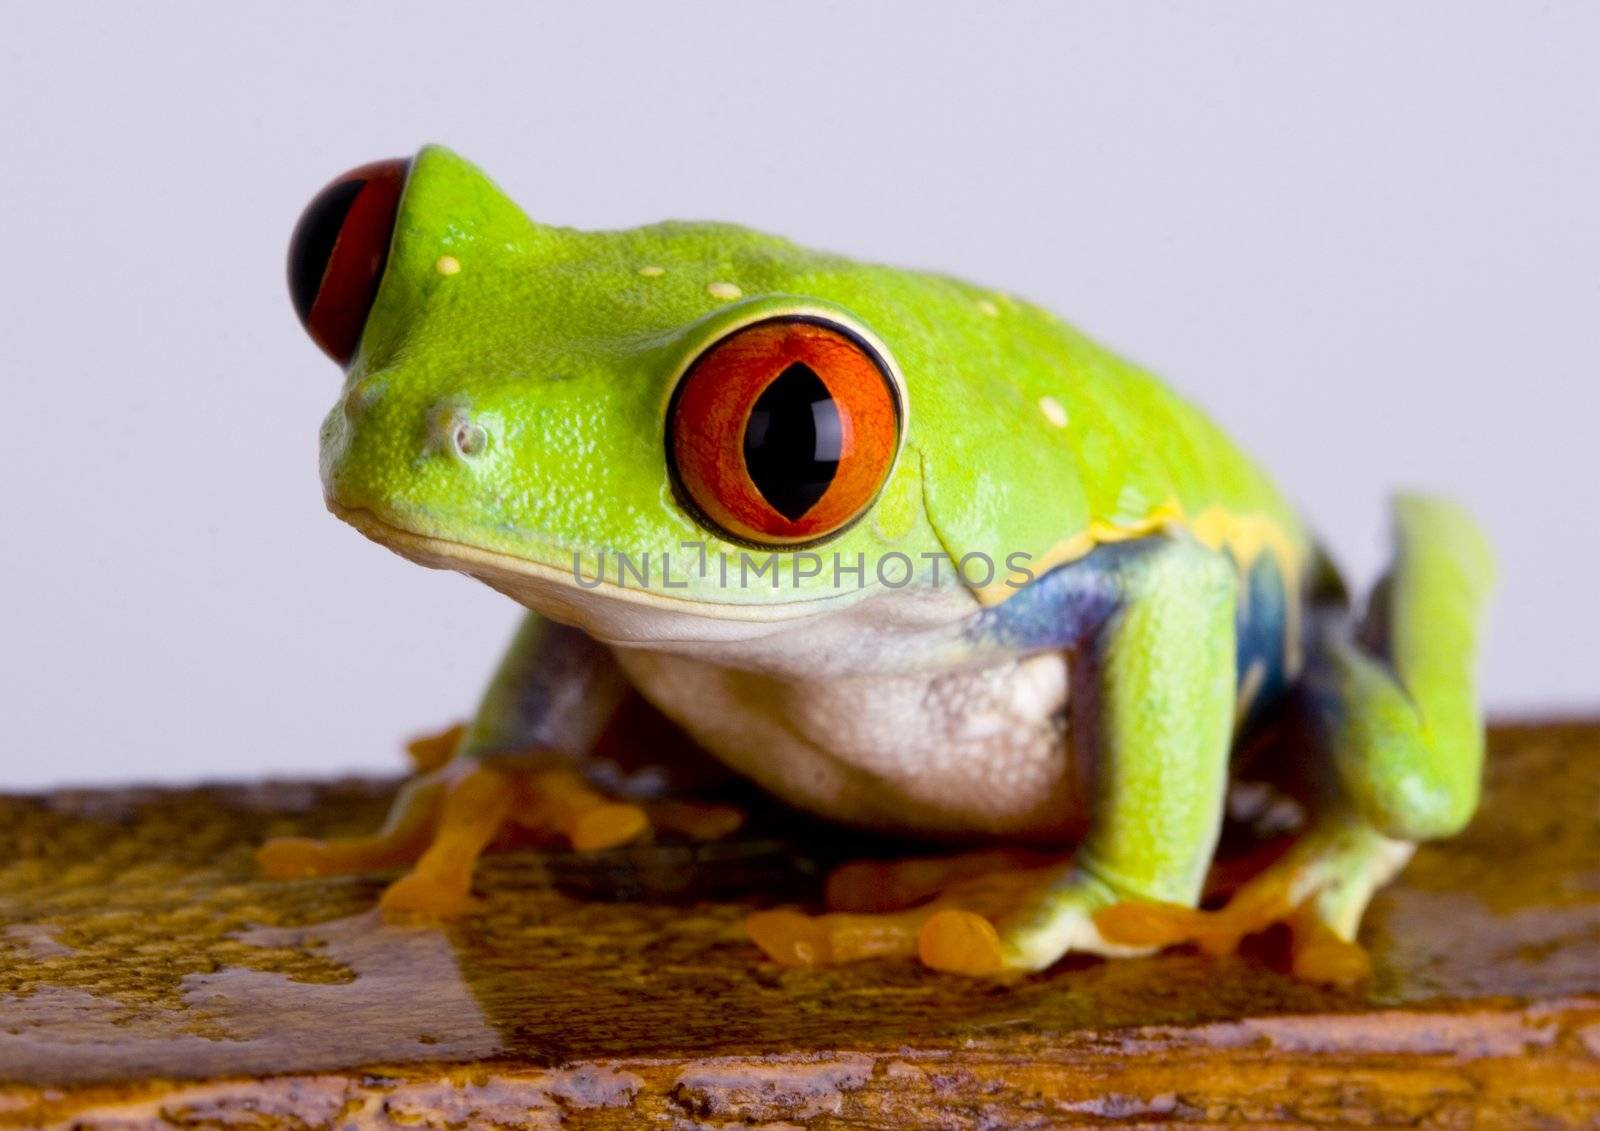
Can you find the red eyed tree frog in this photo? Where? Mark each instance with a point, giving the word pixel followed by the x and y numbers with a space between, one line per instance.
pixel 909 553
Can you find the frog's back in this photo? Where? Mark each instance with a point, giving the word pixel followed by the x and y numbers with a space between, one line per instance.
pixel 1039 431
pixel 1147 457
pixel 1113 454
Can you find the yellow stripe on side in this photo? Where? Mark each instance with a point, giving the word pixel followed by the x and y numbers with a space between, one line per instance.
pixel 1246 537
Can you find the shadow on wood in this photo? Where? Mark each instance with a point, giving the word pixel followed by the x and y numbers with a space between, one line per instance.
pixel 148 975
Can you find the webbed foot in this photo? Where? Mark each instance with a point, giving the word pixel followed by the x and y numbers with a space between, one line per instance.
pixel 1318 890
pixel 988 914
pixel 445 818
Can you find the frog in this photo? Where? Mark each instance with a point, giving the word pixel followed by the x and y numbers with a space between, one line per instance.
pixel 912 555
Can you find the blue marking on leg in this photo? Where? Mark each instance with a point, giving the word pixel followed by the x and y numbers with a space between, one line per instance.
pixel 1058 609
pixel 1261 625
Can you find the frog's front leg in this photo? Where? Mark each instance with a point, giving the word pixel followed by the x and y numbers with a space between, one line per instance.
pixel 517 762
pixel 1155 703
pixel 1153 712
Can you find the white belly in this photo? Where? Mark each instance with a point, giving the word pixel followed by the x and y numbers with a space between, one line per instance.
pixel 967 753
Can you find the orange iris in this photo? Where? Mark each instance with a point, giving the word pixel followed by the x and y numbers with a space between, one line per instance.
pixel 783 432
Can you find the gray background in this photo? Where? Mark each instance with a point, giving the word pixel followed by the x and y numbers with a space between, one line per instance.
pixel 1364 236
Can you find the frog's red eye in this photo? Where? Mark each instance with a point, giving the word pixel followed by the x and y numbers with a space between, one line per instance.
pixel 337 253
pixel 783 432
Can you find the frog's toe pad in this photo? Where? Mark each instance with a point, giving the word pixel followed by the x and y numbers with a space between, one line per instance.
pixel 429 752
pixel 1318 954
pixel 420 894
pixel 960 942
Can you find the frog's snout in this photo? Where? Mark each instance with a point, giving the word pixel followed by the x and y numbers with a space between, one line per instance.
pixel 399 458
pixel 450 427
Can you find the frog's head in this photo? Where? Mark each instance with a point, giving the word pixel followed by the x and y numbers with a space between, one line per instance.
pixel 693 418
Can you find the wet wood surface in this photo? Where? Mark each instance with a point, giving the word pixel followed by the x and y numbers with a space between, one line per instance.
pixel 148 977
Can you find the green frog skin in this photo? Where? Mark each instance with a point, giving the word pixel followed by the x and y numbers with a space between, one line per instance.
pixel 921 558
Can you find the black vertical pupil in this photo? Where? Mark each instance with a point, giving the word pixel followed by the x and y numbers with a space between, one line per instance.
pixel 792 441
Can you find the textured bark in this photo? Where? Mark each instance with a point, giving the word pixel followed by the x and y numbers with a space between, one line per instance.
pixel 149 977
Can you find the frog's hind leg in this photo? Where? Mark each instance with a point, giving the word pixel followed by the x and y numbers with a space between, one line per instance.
pixel 1397 702
pixel 1395 711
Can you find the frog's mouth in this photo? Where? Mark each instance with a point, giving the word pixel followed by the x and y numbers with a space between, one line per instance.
pixel 617 614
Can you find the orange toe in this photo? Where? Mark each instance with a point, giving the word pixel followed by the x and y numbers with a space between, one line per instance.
pixel 290 858
pixel 422 895
pixel 431 751
pixel 1319 955
pixel 790 938
pixel 605 825
pixel 298 857
pixel 1137 923
pixel 960 942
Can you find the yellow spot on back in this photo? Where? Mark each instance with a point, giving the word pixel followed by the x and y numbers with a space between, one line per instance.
pixel 723 290
pixel 447 265
pixel 987 307
pixel 652 271
pixel 1053 412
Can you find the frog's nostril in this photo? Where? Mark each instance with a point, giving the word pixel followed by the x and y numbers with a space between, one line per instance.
pixel 469 439
pixel 453 430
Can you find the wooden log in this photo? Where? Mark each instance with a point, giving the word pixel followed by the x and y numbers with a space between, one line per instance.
pixel 148 977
